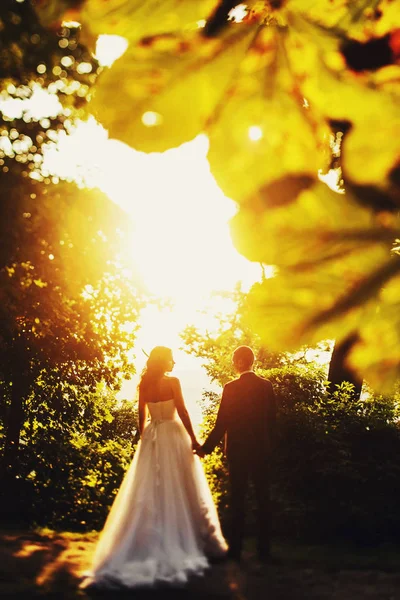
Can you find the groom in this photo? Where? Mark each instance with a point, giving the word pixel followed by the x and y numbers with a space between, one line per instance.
pixel 247 415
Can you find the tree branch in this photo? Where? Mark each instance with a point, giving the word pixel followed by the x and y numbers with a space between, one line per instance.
pixel 219 18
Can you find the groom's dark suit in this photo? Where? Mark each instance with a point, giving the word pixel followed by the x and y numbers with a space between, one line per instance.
pixel 247 415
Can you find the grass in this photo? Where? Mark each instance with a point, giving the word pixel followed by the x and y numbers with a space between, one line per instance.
pixel 43 563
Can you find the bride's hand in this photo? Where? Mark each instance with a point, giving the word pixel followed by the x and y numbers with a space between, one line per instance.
pixel 195 445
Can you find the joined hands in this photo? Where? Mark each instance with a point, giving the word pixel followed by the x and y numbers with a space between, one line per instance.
pixel 198 449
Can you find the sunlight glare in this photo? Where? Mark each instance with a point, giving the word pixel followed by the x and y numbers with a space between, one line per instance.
pixel 181 224
pixel 332 179
pixel 238 13
pixel 109 48
pixel 151 118
pixel 255 133
pixel 180 244
pixel 79 155
pixel 38 105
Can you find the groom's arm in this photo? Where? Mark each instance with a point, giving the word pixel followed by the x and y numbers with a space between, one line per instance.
pixel 220 424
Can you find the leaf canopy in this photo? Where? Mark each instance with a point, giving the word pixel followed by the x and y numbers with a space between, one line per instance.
pixel 284 91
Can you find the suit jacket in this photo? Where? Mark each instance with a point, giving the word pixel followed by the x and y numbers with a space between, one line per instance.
pixel 247 415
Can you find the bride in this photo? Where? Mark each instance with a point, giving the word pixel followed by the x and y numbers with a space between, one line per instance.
pixel 163 523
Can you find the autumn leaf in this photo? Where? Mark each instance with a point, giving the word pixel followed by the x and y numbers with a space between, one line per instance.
pixel 355 18
pixel 132 19
pixel 167 87
pixel 377 353
pixel 312 243
pixel 263 128
pixel 319 226
pixel 334 93
pixel 372 149
pixel 135 19
pixel 334 261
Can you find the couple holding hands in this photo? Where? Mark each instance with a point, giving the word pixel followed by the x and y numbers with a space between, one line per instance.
pixel 163 526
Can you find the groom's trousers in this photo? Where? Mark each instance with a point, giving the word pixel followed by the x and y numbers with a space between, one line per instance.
pixel 241 472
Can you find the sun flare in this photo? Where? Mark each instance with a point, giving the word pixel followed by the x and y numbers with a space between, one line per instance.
pixel 180 243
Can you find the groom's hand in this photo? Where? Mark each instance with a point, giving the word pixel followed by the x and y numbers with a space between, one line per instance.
pixel 195 446
pixel 200 452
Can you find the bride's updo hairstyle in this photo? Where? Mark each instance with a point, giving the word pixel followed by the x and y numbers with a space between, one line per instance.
pixel 157 364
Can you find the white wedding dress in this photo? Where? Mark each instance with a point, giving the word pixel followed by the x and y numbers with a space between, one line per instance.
pixel 163 523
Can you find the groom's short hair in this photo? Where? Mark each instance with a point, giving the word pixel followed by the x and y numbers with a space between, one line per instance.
pixel 244 355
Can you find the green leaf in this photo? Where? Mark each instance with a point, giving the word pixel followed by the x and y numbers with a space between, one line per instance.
pixel 377 354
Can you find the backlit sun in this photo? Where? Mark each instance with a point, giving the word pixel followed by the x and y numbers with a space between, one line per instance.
pixel 180 243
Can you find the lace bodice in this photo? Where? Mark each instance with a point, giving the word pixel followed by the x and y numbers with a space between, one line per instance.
pixel 162 411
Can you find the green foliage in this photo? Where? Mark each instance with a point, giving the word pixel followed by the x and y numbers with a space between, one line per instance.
pixel 296 384
pixel 72 459
pixel 68 313
pixel 64 302
pixel 39 63
pixel 335 467
pixel 215 349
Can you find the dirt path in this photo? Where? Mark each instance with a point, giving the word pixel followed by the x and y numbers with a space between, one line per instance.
pixel 48 565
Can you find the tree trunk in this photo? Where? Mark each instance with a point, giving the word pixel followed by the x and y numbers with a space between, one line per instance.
pixel 339 371
pixel 8 467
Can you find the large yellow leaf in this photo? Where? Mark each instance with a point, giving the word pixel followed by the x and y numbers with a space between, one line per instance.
pixel 372 148
pixel 333 258
pixel 136 19
pixel 377 354
pixel 161 92
pixel 359 98
pixel 329 86
pixel 132 19
pixel 357 18
pixel 263 129
pixel 319 226
pixel 293 309
pixel 282 309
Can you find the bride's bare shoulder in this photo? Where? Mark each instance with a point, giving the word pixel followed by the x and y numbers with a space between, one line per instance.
pixel 173 380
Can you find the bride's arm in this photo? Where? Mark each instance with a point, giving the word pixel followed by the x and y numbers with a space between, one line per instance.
pixel 142 413
pixel 182 410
